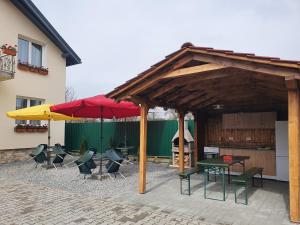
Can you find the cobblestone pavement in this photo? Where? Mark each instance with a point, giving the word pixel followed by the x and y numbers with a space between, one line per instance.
pixel 25 203
pixel 40 196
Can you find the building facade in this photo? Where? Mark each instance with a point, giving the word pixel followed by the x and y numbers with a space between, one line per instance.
pixel 35 75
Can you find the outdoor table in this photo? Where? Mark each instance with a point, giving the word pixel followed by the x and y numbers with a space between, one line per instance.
pixel 221 165
pixel 124 150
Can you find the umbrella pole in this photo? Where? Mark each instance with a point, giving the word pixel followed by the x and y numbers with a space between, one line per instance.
pixel 125 141
pixel 101 141
pixel 48 148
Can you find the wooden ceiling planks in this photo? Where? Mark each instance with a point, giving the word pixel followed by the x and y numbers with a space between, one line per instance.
pixel 196 78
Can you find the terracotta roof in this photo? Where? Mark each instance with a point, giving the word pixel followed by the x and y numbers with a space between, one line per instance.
pixel 189 47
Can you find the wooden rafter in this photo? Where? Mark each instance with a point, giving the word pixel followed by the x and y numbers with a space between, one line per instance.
pixel 199 101
pixel 246 65
pixel 194 70
pixel 154 79
pixel 192 96
pixel 163 90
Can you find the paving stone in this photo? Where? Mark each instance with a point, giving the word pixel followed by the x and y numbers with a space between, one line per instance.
pixel 30 196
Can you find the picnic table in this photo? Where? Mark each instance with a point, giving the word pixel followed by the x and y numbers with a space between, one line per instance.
pixel 220 165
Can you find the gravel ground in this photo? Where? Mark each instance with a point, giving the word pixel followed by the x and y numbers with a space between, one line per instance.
pixel 66 178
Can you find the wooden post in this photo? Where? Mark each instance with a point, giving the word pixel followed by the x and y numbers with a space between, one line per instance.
pixel 143 149
pixel 181 141
pixel 294 154
pixel 196 139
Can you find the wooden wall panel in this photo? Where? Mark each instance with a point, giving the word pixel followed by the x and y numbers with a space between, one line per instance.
pixel 240 138
pixel 260 120
pixel 258 158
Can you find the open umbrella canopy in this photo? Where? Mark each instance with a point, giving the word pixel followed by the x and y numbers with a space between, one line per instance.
pixel 97 107
pixel 39 112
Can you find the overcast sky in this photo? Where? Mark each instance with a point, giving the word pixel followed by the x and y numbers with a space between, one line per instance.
pixel 117 39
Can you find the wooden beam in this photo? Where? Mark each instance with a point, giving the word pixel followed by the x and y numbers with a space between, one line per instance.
pixel 126 89
pixel 143 149
pixel 186 72
pixel 246 65
pixel 294 150
pixel 189 97
pixel 154 79
pixel 201 100
pixel 206 104
pixel 178 94
pixel 142 100
pixel 181 141
pixel 196 138
pixel 163 90
pixel 180 82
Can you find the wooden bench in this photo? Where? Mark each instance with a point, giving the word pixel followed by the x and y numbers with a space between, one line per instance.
pixel 186 175
pixel 243 181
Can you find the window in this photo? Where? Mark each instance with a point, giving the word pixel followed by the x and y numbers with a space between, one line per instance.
pixel 34 102
pixel 23 51
pixel 36 55
pixel 30 52
pixel 22 102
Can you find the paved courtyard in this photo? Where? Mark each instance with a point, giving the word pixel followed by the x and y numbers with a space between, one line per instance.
pixel 40 196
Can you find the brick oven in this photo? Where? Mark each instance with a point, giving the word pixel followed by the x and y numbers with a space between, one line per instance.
pixel 188 148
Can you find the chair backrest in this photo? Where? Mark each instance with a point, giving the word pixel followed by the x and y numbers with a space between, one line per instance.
pixel 37 150
pixel 83 167
pixel 45 146
pixel 40 158
pixel 87 159
pixel 58 150
pixel 113 155
pixel 59 158
pixel 86 156
pixel 93 150
pixel 112 166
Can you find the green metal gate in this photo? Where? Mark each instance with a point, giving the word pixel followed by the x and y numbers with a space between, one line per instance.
pixel 160 134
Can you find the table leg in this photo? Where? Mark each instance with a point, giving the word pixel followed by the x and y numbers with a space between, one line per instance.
pixel 243 163
pixel 223 176
pixel 205 180
pixel 228 174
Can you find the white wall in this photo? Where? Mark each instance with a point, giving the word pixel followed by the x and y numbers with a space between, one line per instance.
pixel 51 88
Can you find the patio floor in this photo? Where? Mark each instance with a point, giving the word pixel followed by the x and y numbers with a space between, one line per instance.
pixel 40 196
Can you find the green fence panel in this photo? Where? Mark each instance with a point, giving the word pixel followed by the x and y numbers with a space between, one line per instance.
pixel 160 134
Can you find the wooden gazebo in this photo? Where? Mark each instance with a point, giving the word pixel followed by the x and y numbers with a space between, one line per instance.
pixel 201 80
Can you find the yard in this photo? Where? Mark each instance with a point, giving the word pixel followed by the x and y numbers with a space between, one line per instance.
pixel 31 196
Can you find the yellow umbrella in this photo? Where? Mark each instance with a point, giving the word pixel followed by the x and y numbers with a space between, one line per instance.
pixel 39 112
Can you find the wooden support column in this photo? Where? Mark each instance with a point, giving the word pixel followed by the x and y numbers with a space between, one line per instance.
pixel 143 149
pixel 181 140
pixel 199 136
pixel 196 139
pixel 294 148
pixel 202 134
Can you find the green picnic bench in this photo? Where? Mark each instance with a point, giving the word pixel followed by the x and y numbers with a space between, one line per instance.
pixel 243 181
pixel 186 176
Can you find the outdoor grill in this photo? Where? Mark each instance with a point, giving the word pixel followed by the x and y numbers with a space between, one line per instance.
pixel 188 148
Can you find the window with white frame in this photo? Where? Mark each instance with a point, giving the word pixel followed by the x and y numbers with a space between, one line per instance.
pixel 30 53
pixel 24 102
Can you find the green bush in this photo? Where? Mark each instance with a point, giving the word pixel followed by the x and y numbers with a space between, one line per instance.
pixel 83 146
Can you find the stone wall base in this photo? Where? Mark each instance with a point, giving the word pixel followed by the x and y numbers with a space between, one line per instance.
pixel 14 155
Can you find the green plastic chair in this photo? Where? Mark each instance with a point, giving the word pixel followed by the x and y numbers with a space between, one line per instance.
pixel 38 155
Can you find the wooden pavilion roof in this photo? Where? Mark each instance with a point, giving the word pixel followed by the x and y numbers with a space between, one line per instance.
pixel 199 78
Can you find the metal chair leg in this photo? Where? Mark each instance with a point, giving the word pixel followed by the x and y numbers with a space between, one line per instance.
pixel 234 189
pixel 121 175
pixel 180 185
pixel 246 194
pixel 189 183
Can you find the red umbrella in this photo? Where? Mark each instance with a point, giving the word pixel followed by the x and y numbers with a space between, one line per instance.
pixel 97 107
